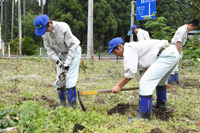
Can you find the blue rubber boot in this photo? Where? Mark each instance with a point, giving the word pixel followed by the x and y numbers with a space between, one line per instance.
pixel 176 78
pixel 71 97
pixel 145 107
pixel 62 96
pixel 171 79
pixel 161 93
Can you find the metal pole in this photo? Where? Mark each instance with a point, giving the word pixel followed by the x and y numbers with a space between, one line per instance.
pixel 90 48
pixel 0 26
pixel 132 17
pixel 20 27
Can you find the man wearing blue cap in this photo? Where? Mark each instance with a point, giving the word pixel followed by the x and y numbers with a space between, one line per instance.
pixel 141 35
pixel 179 40
pixel 63 47
pixel 144 54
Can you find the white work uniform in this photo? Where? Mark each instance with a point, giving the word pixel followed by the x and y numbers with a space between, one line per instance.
pixel 143 54
pixel 142 35
pixel 62 44
pixel 180 36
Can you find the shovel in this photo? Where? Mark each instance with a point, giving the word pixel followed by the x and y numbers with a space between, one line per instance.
pixel 78 127
pixel 95 92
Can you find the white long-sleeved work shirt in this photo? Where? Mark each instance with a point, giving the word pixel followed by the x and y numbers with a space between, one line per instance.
pixel 60 39
pixel 142 35
pixel 180 35
pixel 140 54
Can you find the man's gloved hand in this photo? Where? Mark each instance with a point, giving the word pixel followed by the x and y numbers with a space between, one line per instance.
pixel 66 67
pixel 59 63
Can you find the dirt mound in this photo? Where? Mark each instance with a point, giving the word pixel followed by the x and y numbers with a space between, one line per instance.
pixel 156 130
pixel 122 109
pixel 162 114
pixel 52 103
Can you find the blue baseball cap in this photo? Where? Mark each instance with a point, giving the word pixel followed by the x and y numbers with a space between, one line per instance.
pixel 114 42
pixel 133 27
pixel 40 24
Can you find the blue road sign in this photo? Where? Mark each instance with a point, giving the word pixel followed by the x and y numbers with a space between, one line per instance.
pixel 146 9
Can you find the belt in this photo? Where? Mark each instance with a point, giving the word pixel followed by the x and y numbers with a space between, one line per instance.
pixel 163 48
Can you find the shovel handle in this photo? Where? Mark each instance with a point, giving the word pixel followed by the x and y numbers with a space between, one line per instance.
pixel 123 89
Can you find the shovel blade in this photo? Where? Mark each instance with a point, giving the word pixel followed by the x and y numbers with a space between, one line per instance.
pixel 78 127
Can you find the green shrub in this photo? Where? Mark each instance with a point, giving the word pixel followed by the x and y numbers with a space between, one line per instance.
pixel 159 29
pixel 28 46
pixel 14 46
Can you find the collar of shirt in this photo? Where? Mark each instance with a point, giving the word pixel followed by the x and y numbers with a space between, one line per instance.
pixel 138 31
pixel 53 31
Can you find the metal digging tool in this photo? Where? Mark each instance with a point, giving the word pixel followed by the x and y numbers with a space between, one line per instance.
pixel 78 127
pixel 95 92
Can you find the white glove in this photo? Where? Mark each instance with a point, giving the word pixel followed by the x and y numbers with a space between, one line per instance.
pixel 59 63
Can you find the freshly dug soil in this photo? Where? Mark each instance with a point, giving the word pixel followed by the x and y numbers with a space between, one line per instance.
pixel 52 103
pixel 156 130
pixel 162 114
pixel 122 109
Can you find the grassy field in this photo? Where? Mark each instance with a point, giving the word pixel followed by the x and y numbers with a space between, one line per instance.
pixel 28 98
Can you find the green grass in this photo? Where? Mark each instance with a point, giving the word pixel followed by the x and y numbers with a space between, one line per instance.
pixel 30 78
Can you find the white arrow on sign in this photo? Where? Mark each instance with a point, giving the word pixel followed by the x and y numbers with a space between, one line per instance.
pixel 149 13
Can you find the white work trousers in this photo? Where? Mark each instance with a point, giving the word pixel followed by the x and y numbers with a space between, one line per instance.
pixel 175 70
pixel 158 72
pixel 72 74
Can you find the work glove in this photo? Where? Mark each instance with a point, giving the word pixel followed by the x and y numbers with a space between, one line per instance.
pixel 66 67
pixel 59 63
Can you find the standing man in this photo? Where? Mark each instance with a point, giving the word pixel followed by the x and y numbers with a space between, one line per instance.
pixel 179 41
pixel 143 54
pixel 63 47
pixel 141 35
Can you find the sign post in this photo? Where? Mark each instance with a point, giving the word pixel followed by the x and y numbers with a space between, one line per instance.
pixel 132 18
pixel 146 9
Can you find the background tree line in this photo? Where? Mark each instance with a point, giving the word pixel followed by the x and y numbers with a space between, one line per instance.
pixel 111 19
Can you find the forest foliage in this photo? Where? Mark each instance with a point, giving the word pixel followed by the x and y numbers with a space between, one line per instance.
pixel 111 19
